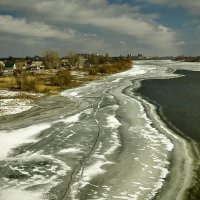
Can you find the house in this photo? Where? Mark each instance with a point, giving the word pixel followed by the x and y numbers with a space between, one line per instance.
pixel 10 66
pixel 36 65
pixel 65 62
pixel 36 58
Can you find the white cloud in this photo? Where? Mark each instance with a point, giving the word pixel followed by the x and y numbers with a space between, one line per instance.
pixel 20 26
pixel 119 19
pixel 114 21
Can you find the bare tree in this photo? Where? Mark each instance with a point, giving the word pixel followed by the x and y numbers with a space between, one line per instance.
pixel 107 55
pixel 73 59
pixel 81 61
pixel 20 65
pixel 51 59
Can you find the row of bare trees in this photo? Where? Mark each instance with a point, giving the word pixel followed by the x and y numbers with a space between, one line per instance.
pixel 51 59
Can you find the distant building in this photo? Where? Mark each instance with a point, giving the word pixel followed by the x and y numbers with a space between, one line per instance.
pixel 10 66
pixel 65 62
pixel 36 65
pixel 36 58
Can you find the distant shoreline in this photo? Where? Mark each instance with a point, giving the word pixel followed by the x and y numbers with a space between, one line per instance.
pixel 53 81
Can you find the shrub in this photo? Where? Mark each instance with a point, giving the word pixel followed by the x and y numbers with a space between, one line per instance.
pixel 110 68
pixel 7 82
pixel 61 78
pixel 103 69
pixel 92 71
pixel 26 82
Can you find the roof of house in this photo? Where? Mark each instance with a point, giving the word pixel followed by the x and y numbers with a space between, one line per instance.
pixel 9 65
pixel 36 64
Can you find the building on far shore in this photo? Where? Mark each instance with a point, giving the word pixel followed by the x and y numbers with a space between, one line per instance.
pixel 36 65
pixel 10 66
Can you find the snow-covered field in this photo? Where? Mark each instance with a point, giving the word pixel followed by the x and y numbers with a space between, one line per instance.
pixel 10 104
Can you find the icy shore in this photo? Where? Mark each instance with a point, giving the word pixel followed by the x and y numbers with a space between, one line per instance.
pixel 11 103
pixel 99 141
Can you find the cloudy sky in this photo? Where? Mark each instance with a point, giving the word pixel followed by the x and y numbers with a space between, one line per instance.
pixel 150 27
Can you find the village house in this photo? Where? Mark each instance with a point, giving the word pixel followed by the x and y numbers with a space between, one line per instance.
pixel 9 68
pixel 36 65
pixel 65 62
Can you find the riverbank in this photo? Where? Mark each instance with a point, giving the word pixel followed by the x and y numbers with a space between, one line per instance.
pixel 17 94
pixel 53 81
pixel 176 103
pixel 163 162
pixel 180 172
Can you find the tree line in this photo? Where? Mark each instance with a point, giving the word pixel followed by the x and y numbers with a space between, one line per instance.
pixel 51 59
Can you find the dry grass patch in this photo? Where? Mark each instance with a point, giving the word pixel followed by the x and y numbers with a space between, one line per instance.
pixel 7 82
pixel 27 82
pixel 109 68
pixel 62 78
pixel 53 81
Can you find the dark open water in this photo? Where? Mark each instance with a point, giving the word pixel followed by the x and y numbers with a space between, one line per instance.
pixel 178 100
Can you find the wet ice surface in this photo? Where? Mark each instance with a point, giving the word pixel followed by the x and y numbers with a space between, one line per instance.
pixel 93 142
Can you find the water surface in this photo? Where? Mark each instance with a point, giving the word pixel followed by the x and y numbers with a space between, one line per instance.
pixel 179 100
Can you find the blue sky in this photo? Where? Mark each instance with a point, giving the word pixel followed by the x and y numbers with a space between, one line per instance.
pixel 150 27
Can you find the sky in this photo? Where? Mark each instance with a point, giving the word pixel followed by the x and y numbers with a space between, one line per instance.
pixel 118 27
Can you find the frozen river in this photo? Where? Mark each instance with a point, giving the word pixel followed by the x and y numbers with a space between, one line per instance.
pixel 100 141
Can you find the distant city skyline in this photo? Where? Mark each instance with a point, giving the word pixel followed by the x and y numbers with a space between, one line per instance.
pixel 119 27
